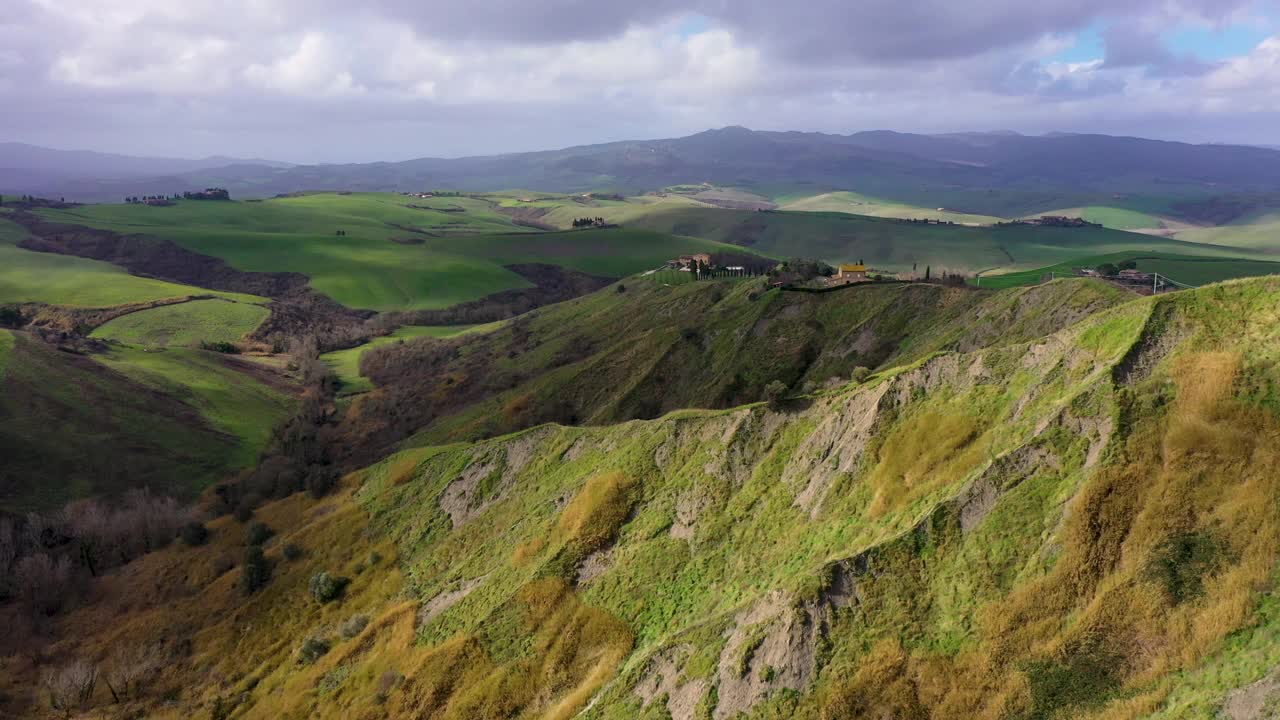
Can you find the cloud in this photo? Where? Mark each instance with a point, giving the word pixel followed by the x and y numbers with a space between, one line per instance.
pixel 327 80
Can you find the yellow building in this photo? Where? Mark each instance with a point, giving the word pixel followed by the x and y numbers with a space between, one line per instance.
pixel 849 273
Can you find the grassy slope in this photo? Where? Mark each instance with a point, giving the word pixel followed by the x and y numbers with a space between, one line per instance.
pixel 27 276
pixel 894 244
pixel 1118 218
pixel 6 349
pixel 187 323
pixel 1181 268
pixel 1260 233
pixel 460 258
pixel 610 356
pixel 1092 537
pixel 346 363
pixel 231 401
pixel 858 204
pixel 70 428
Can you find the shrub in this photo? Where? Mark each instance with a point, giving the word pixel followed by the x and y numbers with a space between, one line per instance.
pixel 312 649
pixel 320 480
pixel 244 514
pixel 775 393
pixel 45 585
pixel 291 552
pixel 860 374
pixel 220 347
pixel 353 626
pixel 690 334
pixel 255 572
pixel 194 534
pixel 258 533
pixel 10 317
pixel 325 587
pixel 622 288
pixel 71 686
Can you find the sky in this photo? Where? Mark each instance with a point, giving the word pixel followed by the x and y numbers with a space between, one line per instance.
pixel 337 81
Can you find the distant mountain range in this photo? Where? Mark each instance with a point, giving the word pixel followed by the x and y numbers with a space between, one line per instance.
pixel 890 164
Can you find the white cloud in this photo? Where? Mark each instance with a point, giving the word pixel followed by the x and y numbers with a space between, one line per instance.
pixel 496 75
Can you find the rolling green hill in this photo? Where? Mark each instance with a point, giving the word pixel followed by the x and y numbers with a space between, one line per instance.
pixel 1075 519
pixel 1259 233
pixel 857 204
pixel 1187 270
pixel 346 363
pixel 71 427
pixel 189 324
pixel 898 245
pixel 27 276
pixel 610 357
pixel 391 256
pixel 1119 218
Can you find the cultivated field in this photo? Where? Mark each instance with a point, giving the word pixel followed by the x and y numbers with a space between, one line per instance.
pixel 188 324
pixel 27 276
pixel 391 256
pixel 857 204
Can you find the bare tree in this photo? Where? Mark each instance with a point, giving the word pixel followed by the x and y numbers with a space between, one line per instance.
pixel 8 554
pixel 71 686
pixel 45 584
pixel 129 668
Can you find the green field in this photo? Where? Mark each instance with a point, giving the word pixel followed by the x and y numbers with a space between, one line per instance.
pixel 346 363
pixel 1258 233
pixel 6 349
pixel 460 256
pixel 857 204
pixel 1119 218
pixel 231 401
pixel 189 324
pixel 1180 268
pixel 898 245
pixel 28 276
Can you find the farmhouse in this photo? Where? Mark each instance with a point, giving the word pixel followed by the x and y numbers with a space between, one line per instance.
pixel 688 261
pixel 847 273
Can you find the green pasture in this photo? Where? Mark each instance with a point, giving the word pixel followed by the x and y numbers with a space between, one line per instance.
pixel 187 324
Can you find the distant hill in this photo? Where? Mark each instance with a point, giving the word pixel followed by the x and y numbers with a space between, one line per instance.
pixel 999 173
pixel 88 175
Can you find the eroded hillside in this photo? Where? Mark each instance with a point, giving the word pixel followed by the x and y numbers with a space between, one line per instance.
pixel 1079 523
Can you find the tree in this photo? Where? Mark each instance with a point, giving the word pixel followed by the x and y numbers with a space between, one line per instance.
pixel 927 270
pixel 775 393
pixel 255 572
pixel 1107 269
pixel 70 687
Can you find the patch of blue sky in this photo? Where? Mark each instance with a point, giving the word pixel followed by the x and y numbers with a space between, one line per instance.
pixel 1220 43
pixel 693 24
pixel 1088 47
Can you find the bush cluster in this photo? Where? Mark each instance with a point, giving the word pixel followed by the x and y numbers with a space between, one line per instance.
pixel 326 588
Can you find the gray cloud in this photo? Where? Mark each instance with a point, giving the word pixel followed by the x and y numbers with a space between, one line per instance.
pixel 392 79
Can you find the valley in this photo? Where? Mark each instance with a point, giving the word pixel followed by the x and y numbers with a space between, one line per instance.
pixel 772 425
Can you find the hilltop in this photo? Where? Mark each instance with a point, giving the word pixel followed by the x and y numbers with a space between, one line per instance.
pixel 1072 519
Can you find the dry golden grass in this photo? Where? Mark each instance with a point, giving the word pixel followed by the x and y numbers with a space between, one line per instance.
pixel 926 452
pixel 1206 469
pixel 594 515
